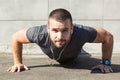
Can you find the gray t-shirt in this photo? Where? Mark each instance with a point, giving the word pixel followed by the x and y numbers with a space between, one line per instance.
pixel 81 35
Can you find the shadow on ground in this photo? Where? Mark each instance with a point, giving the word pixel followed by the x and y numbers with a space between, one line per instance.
pixel 84 61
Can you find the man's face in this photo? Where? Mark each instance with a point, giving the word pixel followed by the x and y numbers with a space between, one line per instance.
pixel 60 32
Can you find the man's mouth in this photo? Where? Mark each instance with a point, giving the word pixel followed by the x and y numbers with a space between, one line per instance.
pixel 61 41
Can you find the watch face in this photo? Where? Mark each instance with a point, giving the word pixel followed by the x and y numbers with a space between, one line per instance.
pixel 106 62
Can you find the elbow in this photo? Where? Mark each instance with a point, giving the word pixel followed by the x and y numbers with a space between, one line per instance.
pixel 14 38
pixel 109 38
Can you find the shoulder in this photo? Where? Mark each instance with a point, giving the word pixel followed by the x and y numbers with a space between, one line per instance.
pixel 102 35
pixel 37 33
pixel 37 29
pixel 81 28
pixel 85 32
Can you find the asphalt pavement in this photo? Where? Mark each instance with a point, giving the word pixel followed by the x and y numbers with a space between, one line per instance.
pixel 41 68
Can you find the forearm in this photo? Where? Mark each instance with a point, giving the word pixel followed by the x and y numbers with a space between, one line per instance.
pixel 18 39
pixel 17 51
pixel 107 48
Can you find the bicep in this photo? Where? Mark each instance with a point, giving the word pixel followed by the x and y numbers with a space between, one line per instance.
pixel 101 35
pixel 20 36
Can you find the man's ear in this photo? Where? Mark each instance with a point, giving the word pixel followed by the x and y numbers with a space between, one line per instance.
pixel 71 30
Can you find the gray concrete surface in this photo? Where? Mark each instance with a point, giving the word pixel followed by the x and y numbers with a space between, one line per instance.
pixel 40 69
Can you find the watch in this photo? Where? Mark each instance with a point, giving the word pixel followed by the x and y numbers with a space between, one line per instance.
pixel 106 62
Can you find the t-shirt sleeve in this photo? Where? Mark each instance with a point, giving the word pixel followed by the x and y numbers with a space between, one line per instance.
pixel 34 34
pixel 90 33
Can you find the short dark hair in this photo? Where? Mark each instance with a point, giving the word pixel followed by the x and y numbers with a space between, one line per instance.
pixel 60 15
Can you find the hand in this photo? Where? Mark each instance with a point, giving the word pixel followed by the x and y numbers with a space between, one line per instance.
pixel 103 68
pixel 17 68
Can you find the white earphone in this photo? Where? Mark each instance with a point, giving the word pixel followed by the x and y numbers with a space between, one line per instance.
pixel 71 32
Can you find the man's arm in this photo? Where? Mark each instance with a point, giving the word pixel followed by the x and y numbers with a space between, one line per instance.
pixel 18 39
pixel 106 39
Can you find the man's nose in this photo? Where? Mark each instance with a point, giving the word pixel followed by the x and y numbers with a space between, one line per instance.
pixel 59 35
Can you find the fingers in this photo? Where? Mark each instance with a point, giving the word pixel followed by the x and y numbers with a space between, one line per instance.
pixel 8 70
pixel 26 68
pixel 95 67
pixel 22 68
pixel 17 68
pixel 107 69
pixel 111 69
pixel 103 68
pixel 98 67
pixel 12 69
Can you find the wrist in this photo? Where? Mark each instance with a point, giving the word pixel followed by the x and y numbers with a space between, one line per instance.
pixel 17 62
pixel 106 62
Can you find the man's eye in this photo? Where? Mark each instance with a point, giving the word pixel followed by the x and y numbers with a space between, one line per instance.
pixel 55 31
pixel 65 30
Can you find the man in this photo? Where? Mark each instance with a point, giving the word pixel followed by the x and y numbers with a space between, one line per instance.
pixel 62 41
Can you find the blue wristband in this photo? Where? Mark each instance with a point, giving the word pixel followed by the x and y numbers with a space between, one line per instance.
pixel 106 62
